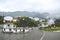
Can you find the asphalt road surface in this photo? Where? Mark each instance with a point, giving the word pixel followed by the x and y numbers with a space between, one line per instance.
pixel 52 36
pixel 33 35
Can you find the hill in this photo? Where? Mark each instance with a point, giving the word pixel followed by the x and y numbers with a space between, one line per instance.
pixel 24 13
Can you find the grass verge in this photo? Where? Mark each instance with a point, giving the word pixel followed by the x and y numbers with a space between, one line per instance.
pixel 50 28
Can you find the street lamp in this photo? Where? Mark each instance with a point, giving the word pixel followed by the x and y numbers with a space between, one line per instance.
pixel 23 30
pixel 23 27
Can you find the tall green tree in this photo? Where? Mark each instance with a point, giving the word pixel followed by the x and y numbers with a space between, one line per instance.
pixel 26 22
pixel 1 19
pixel 57 22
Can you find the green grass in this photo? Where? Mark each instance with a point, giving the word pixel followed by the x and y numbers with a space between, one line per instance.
pixel 50 29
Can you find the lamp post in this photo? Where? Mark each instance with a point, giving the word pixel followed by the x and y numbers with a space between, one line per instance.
pixel 23 30
pixel 23 27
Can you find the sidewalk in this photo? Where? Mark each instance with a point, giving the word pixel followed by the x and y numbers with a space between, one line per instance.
pixel 57 31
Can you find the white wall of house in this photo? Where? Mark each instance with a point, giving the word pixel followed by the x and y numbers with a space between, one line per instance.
pixel 6 26
pixel 36 19
pixel 43 25
pixel 50 22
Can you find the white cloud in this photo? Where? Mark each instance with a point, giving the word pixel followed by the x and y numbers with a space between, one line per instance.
pixel 29 5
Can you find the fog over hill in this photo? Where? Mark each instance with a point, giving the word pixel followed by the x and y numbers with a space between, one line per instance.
pixel 25 13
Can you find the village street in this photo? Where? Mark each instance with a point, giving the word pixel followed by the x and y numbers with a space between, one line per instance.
pixel 33 35
pixel 52 36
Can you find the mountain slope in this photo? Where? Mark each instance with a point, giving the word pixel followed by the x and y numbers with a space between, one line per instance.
pixel 24 13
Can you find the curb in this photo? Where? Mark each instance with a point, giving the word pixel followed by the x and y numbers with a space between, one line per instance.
pixel 56 31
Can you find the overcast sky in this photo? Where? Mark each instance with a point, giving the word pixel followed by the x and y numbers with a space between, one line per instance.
pixel 30 5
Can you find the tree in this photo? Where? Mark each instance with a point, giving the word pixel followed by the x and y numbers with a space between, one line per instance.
pixel 26 22
pixel 1 19
pixel 57 22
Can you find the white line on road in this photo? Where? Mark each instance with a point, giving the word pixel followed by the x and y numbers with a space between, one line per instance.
pixel 42 35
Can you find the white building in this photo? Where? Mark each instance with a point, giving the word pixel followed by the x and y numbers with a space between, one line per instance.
pixel 50 22
pixel 31 17
pixel 8 26
pixel 36 19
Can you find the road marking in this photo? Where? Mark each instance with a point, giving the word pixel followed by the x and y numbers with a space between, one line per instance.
pixel 42 35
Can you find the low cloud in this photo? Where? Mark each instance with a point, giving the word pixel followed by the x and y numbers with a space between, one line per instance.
pixel 29 5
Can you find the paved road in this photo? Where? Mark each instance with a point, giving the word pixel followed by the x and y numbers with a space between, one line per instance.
pixel 52 36
pixel 33 35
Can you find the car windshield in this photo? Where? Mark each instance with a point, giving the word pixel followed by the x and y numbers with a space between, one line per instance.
pixel 29 19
